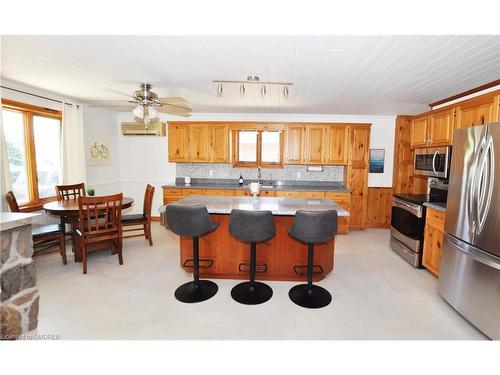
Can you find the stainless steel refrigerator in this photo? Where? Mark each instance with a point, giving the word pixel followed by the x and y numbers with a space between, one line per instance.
pixel 470 261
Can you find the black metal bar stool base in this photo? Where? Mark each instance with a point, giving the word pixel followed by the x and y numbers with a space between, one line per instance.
pixel 310 296
pixel 251 293
pixel 191 292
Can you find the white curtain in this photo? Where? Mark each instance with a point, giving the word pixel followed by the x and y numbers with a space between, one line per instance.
pixel 73 146
pixel 6 181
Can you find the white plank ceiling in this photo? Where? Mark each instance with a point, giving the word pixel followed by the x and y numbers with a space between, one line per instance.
pixel 331 74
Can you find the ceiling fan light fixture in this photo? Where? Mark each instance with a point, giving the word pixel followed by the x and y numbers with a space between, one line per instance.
pixel 219 89
pixel 152 113
pixel 263 90
pixel 138 111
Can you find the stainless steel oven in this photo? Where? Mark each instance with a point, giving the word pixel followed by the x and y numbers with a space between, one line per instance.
pixel 407 226
pixel 432 162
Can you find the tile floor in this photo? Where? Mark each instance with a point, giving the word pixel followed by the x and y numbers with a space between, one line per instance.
pixel 376 295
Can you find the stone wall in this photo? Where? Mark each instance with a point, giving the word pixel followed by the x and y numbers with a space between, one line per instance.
pixel 19 295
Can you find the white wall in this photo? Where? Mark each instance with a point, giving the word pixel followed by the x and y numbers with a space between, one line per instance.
pixel 101 126
pixel 144 160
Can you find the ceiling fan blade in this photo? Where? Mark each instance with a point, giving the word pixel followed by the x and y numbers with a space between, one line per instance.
pixel 173 100
pixel 180 107
pixel 110 103
pixel 173 109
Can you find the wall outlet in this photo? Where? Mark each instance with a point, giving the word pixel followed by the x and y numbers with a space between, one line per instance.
pixel 299 175
pixel 211 173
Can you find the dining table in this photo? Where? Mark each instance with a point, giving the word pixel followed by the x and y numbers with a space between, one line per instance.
pixel 68 211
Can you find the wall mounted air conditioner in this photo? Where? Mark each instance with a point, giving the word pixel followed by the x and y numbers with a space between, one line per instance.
pixel 138 128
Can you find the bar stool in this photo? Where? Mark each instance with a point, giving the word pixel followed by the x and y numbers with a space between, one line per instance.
pixel 192 221
pixel 312 227
pixel 252 227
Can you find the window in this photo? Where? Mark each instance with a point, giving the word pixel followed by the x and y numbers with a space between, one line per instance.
pixel 33 137
pixel 254 148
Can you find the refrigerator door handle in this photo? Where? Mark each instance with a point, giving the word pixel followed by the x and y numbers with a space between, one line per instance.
pixel 486 191
pixel 474 253
pixel 434 162
pixel 473 198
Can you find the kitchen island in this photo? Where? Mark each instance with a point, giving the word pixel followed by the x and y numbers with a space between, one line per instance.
pixel 281 258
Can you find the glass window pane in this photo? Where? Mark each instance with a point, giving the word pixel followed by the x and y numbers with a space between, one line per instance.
pixel 271 147
pixel 47 132
pixel 247 146
pixel 13 126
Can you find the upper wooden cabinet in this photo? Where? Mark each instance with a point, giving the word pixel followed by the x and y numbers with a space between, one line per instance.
pixel 198 143
pixel 178 142
pixel 440 129
pixel 478 111
pixel 419 136
pixel 294 144
pixel 337 150
pixel 315 144
pixel 434 129
pixel 219 143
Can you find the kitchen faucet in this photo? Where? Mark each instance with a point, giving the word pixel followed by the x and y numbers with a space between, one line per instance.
pixel 259 175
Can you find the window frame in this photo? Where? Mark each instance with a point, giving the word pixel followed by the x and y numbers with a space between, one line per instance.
pixel 259 163
pixel 29 111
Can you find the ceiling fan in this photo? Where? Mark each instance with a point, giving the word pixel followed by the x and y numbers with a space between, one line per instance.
pixel 148 104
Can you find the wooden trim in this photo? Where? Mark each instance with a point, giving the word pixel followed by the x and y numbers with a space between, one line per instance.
pixel 235 148
pixel 465 93
pixel 155 218
pixel 34 203
pixel 11 104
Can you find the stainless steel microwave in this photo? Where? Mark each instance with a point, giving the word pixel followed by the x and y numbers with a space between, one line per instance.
pixel 434 161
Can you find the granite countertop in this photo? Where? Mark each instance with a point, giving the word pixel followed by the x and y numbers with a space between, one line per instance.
pixel 437 206
pixel 278 206
pixel 11 220
pixel 286 185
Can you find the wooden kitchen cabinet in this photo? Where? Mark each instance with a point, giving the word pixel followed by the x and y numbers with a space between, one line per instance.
pixel 478 111
pixel 199 143
pixel 287 194
pixel 441 126
pixel 337 137
pixel 294 144
pixel 357 173
pixel 315 144
pixel 433 240
pixel 419 135
pixel 343 199
pixel 178 142
pixel 219 143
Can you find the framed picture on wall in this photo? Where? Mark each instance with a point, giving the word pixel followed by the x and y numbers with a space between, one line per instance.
pixel 377 158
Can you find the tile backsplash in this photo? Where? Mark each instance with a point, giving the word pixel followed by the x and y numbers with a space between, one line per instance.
pixel 289 172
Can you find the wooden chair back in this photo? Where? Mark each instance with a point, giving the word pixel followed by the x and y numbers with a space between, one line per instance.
pixel 100 217
pixel 66 192
pixel 148 200
pixel 12 202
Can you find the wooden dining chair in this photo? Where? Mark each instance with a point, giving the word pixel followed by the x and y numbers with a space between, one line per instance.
pixel 100 225
pixel 142 221
pixel 65 192
pixel 42 234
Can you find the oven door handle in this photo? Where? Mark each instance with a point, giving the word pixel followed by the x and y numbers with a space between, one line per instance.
pixel 434 162
pixel 415 209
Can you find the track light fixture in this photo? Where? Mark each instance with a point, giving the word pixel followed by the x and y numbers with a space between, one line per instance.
pixel 285 91
pixel 253 80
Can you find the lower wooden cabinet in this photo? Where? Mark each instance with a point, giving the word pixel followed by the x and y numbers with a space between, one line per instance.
pixel 433 240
